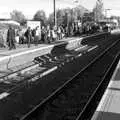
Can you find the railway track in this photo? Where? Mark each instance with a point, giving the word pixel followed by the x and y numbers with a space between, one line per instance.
pixel 94 100
pixel 71 100
pixel 25 100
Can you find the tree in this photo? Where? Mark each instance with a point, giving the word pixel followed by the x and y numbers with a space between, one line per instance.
pixel 67 16
pixel 64 16
pixel 50 20
pixel 88 17
pixel 79 12
pixel 40 16
pixel 60 16
pixel 18 16
pixel 98 10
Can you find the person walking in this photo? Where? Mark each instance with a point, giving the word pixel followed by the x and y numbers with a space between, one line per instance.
pixel 11 38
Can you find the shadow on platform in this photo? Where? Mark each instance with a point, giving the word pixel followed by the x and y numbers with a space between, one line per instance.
pixel 115 89
pixel 107 116
pixel 117 76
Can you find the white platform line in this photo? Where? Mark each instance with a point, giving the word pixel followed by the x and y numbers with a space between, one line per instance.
pixel 43 74
pixel 81 47
pixel 26 52
pixel 92 48
pixel 48 71
pixel 3 95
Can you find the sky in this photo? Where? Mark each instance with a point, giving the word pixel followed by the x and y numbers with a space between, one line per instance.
pixel 29 7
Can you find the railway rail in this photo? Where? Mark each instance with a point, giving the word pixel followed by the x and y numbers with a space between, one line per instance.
pixel 32 95
pixel 71 100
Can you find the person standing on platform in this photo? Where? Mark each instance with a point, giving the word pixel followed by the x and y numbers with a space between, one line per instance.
pixel 53 35
pixel 66 31
pixel 43 34
pixel 59 33
pixel 48 34
pixel 34 35
pixel 28 35
pixel 11 38
pixel 37 35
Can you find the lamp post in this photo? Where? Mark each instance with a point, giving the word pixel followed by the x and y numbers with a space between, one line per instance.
pixel 55 19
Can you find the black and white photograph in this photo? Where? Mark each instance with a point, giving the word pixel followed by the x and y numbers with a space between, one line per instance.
pixel 59 60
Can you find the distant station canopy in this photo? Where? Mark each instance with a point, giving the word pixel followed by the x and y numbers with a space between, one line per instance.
pixel 9 21
pixel 6 19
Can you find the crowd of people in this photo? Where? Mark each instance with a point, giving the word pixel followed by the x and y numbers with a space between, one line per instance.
pixel 34 36
pixel 48 35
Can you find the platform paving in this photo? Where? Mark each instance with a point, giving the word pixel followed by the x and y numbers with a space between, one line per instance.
pixel 109 106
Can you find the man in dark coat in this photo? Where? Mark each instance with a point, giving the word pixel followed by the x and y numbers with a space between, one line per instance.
pixel 28 35
pixel 11 38
pixel 43 33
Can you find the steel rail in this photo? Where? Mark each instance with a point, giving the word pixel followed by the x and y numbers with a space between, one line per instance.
pixel 66 83
pixel 91 99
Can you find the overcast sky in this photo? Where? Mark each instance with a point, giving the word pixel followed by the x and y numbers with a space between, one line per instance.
pixel 29 7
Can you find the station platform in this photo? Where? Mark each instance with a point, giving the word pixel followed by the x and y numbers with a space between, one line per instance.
pixel 109 106
pixel 23 55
